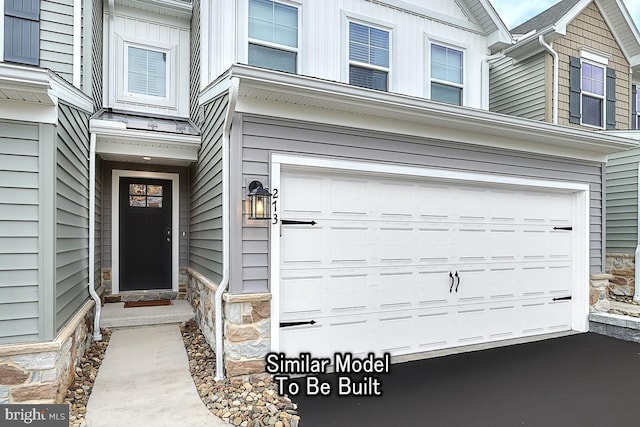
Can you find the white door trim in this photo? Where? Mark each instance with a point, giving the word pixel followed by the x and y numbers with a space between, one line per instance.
pixel 581 197
pixel 115 222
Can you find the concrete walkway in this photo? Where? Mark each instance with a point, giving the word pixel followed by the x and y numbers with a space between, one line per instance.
pixel 144 380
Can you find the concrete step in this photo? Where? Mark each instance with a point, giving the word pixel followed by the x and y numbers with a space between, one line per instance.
pixel 114 315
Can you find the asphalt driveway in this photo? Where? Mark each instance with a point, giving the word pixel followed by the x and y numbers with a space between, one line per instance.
pixel 579 380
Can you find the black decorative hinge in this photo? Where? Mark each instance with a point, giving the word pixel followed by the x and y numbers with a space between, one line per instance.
pixel 294 222
pixel 286 324
pixel 563 228
pixel 562 299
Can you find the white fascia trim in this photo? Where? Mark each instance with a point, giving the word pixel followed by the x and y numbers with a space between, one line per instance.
pixel 28 112
pixel 561 24
pixel 77 43
pixel 61 89
pixel 23 78
pixel 432 15
pixel 581 197
pixel 216 88
pixel 502 35
pixel 115 221
pixel 175 8
pixel 118 130
pixel 420 113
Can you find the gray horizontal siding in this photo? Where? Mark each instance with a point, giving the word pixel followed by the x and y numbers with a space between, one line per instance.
pixel 622 202
pixel 518 88
pixel 19 210
pixel 96 49
pixel 262 136
pixel 98 224
pixel 72 213
pixel 106 200
pixel 56 37
pixel 194 77
pixel 205 239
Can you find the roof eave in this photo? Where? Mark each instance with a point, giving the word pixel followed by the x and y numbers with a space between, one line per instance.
pixel 342 98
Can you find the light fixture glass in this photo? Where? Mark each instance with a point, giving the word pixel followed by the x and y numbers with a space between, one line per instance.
pixel 147 158
pixel 259 201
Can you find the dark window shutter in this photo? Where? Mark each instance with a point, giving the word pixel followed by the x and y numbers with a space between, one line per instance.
pixel 611 98
pixel 574 89
pixel 634 107
pixel 22 31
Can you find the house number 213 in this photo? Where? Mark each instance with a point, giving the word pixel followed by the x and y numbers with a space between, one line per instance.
pixel 275 205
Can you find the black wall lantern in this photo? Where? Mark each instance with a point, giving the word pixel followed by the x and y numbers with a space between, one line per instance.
pixel 259 201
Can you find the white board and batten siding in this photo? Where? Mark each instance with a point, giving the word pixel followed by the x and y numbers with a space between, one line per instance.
pixel 518 88
pixel 622 202
pixel 72 213
pixel 323 36
pixel 19 205
pixel 149 31
pixel 261 136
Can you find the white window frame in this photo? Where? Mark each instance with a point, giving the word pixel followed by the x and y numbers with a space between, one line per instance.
pixel 431 39
pixel 150 98
pixel 348 19
pixel 277 46
pixel 1 30
pixel 603 97
pixel 635 100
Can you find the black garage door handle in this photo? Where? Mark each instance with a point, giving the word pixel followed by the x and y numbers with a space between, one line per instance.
pixel 457 277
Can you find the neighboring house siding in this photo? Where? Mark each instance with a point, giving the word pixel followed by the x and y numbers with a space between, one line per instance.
pixel 518 88
pixel 96 48
pixel 263 136
pixel 56 37
pixel 622 202
pixel 72 213
pixel 194 82
pixel 107 220
pixel 590 30
pixel 205 239
pixel 19 205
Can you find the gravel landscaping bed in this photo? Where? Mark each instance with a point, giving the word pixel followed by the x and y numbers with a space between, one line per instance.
pixel 254 403
pixel 80 390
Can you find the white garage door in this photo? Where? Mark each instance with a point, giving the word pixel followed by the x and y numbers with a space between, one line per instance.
pixel 407 265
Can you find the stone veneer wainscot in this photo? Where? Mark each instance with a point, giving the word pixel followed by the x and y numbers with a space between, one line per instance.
pixel 246 320
pixel 42 372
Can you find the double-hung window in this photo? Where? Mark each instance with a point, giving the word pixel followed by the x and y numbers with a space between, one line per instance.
pixel 593 94
pixel 447 74
pixel 368 56
pixel 273 35
pixel 636 113
pixel 146 72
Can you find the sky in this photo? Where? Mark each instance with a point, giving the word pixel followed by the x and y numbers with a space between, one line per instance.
pixel 514 13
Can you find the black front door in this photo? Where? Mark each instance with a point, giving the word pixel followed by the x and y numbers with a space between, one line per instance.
pixel 145 234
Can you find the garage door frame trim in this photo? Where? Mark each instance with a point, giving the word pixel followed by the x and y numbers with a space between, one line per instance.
pixel 581 198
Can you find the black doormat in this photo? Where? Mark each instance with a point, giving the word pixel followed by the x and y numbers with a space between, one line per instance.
pixel 153 303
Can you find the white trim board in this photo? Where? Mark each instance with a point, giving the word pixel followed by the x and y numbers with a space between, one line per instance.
pixel 581 197
pixel 115 222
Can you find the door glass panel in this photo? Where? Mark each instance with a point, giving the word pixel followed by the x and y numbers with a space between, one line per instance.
pixel 154 202
pixel 154 190
pixel 137 189
pixel 137 201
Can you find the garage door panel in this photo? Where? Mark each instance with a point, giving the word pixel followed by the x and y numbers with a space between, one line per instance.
pixel 433 288
pixel 302 339
pixel 434 330
pixel 298 189
pixel 346 335
pixel 396 243
pixel 349 197
pixel 433 243
pixel 395 333
pixel 396 289
pixel 396 200
pixel 348 244
pixel 300 296
pixel 348 293
pixel 303 245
